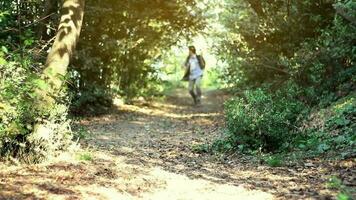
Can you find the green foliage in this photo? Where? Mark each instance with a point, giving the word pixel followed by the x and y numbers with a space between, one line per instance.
pixel 92 100
pixel 306 43
pixel 212 78
pixel 345 193
pixel 86 156
pixel 330 129
pixel 20 64
pixel 303 41
pixel 80 132
pixel 18 116
pixel 225 144
pixel 201 148
pixel 260 120
pixel 16 99
pixel 132 39
pixel 274 161
pixel 262 38
pixel 343 115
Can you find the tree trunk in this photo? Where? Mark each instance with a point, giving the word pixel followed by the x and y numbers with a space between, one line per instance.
pixel 65 42
pixel 58 59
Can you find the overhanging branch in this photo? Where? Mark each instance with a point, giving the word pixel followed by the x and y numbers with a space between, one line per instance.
pixel 344 12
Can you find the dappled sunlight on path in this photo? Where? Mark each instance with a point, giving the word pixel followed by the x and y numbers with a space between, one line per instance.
pixel 110 177
pixel 181 187
pixel 146 151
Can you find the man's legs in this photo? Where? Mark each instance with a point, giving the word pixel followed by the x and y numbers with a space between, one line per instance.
pixel 191 90
pixel 198 88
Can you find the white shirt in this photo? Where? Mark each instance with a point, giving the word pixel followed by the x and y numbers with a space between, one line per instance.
pixel 195 70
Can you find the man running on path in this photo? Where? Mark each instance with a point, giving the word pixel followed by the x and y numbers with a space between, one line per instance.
pixel 194 66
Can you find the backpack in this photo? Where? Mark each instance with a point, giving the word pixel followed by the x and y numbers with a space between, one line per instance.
pixel 200 60
pixel 201 64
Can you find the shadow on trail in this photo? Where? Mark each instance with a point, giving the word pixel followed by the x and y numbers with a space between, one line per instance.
pixel 145 151
pixel 162 135
pixel 67 179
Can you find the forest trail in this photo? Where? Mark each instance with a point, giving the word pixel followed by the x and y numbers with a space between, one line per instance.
pixel 146 151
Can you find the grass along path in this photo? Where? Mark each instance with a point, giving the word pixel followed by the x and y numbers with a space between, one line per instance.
pixel 145 151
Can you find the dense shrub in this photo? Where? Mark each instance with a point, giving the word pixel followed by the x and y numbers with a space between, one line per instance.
pixel 308 43
pixel 260 120
pixel 15 101
pixel 21 61
pixel 18 116
pixel 330 127
pixel 92 100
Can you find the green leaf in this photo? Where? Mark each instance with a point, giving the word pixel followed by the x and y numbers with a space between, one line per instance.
pixel 343 196
pixel 4 49
pixel 28 42
pixel 323 147
pixel 340 139
pixel 3 61
pixel 41 84
pixel 334 183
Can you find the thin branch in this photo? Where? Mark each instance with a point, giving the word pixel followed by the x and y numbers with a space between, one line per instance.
pixel 28 25
pixel 48 43
pixel 266 60
pixel 41 19
pixel 343 12
pixel 274 68
pixel 10 29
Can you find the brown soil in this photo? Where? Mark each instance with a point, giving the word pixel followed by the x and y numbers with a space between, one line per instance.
pixel 146 151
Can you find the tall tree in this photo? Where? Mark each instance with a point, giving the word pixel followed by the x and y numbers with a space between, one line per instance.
pixel 59 57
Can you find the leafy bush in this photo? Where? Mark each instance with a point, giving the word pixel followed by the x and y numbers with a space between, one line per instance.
pixel 21 58
pixel 18 116
pixel 15 102
pixel 330 128
pixel 345 193
pixel 91 100
pixel 261 120
pixel 314 47
pixel 274 161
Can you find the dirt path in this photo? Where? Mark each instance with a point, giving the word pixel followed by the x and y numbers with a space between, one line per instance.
pixel 145 151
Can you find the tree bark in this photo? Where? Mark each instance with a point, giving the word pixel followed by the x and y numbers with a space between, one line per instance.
pixel 58 59
pixel 66 39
